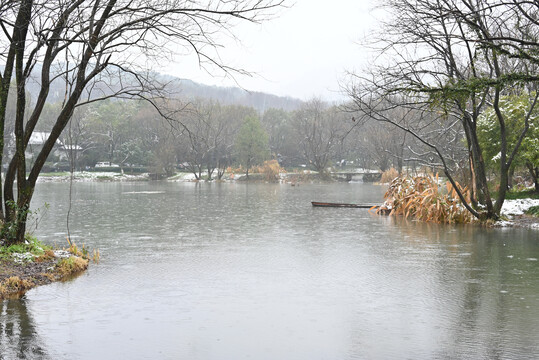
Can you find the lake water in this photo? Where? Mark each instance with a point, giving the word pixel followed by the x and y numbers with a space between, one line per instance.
pixel 252 271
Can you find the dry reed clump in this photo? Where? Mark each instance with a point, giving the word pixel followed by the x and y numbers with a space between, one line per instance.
pixel 71 265
pixel 50 276
pixel 270 169
pixel 389 175
pixel 82 252
pixel 421 197
pixel 14 284
pixel 47 256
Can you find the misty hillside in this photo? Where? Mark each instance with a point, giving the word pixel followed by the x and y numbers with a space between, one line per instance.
pixel 184 89
pixel 233 95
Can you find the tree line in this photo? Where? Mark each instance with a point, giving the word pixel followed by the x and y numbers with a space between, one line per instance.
pixel 206 137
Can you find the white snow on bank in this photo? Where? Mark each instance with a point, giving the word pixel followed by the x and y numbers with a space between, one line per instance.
pixel 81 176
pixel 185 176
pixel 517 207
pixel 512 208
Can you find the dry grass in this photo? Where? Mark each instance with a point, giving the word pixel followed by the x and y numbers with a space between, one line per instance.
pixel 14 284
pixel 389 175
pixel 19 277
pixel 422 198
pixel 71 265
pixel 47 256
pixel 49 276
pixel 270 169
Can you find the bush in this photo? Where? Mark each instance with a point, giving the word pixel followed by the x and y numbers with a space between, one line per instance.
pixel 422 198
pixel 389 175
pixel 71 265
pixel 270 169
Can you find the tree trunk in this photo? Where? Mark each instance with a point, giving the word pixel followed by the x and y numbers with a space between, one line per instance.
pixel 534 172
pixel 478 168
pixel 510 178
pixel 17 215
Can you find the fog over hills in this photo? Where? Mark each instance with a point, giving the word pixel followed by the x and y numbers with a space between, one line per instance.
pixel 233 95
pixel 185 89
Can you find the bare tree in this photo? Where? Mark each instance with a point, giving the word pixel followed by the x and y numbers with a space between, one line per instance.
pixel 450 60
pixel 197 144
pixel 319 130
pixel 96 49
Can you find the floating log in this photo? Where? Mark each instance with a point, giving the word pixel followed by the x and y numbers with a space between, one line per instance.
pixel 325 204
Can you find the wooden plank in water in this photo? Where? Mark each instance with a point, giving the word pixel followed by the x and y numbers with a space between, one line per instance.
pixel 324 204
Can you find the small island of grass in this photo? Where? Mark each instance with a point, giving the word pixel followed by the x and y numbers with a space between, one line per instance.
pixel 27 265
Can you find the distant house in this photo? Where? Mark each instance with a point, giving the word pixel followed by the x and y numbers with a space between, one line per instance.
pixel 36 142
pixel 64 150
pixel 61 150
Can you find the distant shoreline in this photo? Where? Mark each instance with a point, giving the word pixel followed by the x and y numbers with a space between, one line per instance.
pixel 89 176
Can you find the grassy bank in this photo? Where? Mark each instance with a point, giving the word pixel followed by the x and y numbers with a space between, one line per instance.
pixel 24 266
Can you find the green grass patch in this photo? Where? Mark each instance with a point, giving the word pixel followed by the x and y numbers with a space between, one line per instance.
pixel 534 210
pixel 31 245
pixel 526 194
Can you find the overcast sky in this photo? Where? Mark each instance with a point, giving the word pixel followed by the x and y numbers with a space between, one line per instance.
pixel 302 53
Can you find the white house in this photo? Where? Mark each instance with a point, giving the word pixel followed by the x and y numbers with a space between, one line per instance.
pixel 37 140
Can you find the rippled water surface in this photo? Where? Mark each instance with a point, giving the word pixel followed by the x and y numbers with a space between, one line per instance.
pixel 237 271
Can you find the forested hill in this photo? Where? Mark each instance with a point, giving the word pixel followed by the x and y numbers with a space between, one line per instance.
pixel 233 95
pixel 187 90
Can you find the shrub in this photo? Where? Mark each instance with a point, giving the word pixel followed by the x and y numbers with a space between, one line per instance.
pixel 71 265
pixel 270 169
pixel 389 175
pixel 421 197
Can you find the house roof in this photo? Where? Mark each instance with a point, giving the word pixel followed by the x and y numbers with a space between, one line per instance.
pixel 39 138
pixel 71 147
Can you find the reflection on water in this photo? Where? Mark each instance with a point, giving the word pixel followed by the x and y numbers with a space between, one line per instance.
pixel 18 336
pixel 237 271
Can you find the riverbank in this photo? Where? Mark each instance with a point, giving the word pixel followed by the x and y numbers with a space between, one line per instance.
pixel 515 213
pixel 88 176
pixel 22 271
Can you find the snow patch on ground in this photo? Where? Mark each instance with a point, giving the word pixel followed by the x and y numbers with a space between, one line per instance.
pixel 185 177
pixel 62 254
pixel 519 206
pixel 514 210
pixel 81 176
pixel 22 257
